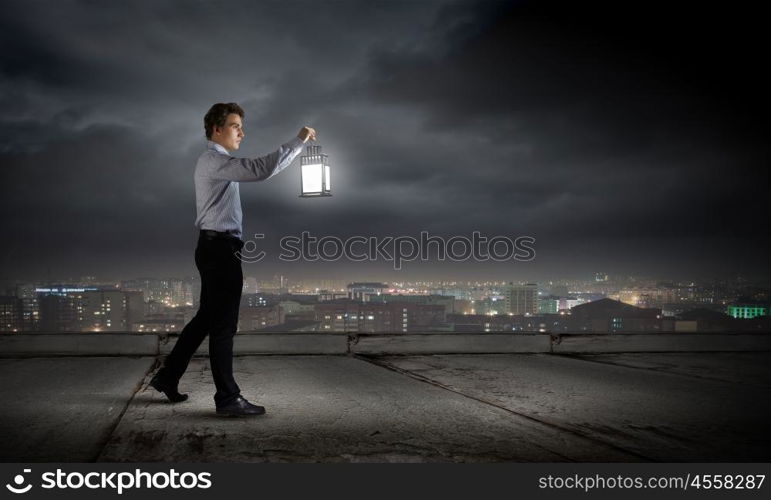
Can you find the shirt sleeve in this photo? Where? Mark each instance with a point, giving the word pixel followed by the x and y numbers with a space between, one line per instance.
pixel 257 169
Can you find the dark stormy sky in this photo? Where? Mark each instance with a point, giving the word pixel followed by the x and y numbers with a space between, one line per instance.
pixel 627 139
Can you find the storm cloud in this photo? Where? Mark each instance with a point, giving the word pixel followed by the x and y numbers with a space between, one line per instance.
pixel 624 139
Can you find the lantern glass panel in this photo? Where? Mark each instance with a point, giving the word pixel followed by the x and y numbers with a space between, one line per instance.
pixel 312 178
pixel 327 179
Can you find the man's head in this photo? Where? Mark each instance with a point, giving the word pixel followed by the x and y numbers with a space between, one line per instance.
pixel 223 124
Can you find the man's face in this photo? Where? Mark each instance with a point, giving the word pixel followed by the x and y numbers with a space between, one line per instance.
pixel 229 136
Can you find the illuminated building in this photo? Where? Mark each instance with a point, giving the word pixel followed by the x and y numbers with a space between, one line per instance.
pixel 521 299
pixel 69 309
pixel 747 311
pixel 10 314
pixel 368 317
pixel 363 291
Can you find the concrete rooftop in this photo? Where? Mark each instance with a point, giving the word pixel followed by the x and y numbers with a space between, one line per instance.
pixel 78 403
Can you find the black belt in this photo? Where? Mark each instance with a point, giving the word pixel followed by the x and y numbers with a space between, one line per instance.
pixel 210 233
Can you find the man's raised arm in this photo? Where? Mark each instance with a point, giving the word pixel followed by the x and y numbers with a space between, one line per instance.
pixel 264 167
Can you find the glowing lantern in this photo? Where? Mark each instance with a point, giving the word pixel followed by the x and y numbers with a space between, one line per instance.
pixel 314 173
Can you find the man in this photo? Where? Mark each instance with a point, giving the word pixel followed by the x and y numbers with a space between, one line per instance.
pixel 217 175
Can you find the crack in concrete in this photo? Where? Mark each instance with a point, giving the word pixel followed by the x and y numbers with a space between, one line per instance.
pixel 581 357
pixel 118 420
pixel 548 423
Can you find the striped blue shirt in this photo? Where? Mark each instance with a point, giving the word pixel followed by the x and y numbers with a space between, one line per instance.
pixel 217 175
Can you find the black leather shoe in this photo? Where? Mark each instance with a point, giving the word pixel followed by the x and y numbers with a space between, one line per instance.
pixel 240 407
pixel 171 392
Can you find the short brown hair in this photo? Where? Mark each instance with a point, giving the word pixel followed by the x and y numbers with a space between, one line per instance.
pixel 218 114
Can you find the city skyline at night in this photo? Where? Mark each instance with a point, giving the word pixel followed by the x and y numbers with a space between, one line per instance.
pixel 604 304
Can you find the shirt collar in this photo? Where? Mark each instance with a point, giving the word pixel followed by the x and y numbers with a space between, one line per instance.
pixel 216 147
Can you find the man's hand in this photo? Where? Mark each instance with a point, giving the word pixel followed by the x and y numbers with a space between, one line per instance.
pixel 307 133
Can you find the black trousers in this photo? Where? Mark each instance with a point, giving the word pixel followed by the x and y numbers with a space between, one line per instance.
pixel 221 285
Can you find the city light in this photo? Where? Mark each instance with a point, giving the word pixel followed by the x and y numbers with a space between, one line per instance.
pixel 167 304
